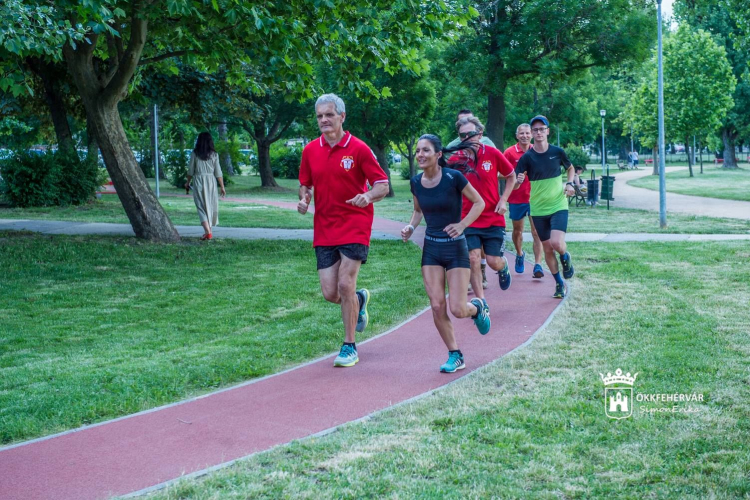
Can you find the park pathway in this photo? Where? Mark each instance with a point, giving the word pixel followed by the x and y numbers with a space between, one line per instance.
pixel 627 196
pixel 138 453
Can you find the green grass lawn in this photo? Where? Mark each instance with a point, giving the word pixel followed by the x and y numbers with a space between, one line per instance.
pixel 532 425
pixel 400 207
pixel 715 182
pixel 245 186
pixel 180 210
pixel 92 328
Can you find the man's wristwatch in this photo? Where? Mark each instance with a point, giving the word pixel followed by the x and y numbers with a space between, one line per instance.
pixel 409 226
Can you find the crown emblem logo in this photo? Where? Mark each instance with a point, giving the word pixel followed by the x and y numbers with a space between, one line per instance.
pixel 618 378
pixel 618 394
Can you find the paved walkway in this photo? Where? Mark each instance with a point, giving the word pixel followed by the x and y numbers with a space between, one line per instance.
pixel 627 196
pixel 383 229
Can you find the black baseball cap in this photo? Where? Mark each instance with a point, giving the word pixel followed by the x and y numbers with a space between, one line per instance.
pixel 539 118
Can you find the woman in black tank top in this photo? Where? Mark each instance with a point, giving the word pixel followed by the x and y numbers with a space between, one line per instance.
pixel 438 193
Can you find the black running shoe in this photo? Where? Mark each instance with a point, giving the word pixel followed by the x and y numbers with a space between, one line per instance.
pixel 567 266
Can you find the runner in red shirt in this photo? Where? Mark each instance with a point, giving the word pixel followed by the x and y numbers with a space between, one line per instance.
pixel 335 170
pixel 483 165
pixel 518 204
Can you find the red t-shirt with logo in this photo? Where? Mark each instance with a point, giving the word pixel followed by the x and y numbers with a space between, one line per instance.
pixel 522 194
pixel 489 166
pixel 337 174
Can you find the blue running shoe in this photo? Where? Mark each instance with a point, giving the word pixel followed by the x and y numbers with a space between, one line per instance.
pixel 505 277
pixel 538 271
pixel 519 263
pixel 364 317
pixel 567 266
pixel 347 356
pixel 482 318
pixel 455 362
pixel 560 291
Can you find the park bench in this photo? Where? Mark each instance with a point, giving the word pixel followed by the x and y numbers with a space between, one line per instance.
pixel 649 160
pixel 623 166
pixel 579 197
pixel 718 161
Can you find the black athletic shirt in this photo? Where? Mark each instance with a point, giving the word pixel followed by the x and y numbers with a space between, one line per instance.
pixel 441 205
pixel 543 171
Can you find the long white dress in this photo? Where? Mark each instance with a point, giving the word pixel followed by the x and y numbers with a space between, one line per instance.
pixel 205 192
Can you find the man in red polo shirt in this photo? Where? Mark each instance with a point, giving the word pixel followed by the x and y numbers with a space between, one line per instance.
pixel 518 204
pixel 335 170
pixel 483 165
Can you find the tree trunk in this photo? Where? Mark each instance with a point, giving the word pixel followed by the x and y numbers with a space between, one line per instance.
pixel 729 138
pixel 700 152
pixel 264 164
pixel 92 145
pixel 689 158
pixel 100 98
pixel 225 159
pixel 412 167
pixel 655 156
pixel 496 116
pixel 49 74
pixel 382 157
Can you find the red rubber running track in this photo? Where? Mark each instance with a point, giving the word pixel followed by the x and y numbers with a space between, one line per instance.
pixel 150 448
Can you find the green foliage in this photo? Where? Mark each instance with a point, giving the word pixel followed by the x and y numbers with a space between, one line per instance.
pixel 577 155
pixel 285 161
pixel 176 166
pixel 698 87
pixel 232 148
pixel 404 171
pixel 37 180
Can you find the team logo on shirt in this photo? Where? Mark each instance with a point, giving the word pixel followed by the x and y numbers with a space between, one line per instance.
pixel 347 162
pixel 487 166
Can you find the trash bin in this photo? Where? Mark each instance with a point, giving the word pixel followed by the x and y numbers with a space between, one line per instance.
pixel 607 185
pixel 592 191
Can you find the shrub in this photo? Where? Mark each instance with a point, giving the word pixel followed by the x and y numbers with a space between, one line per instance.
pixel 285 161
pixel 232 148
pixel 577 155
pixel 40 180
pixel 404 171
pixel 176 165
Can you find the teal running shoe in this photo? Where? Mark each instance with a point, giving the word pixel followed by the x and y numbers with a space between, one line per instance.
pixel 567 266
pixel 455 362
pixel 364 316
pixel 482 318
pixel 347 356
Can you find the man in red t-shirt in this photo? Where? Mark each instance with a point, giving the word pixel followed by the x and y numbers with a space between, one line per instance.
pixel 483 165
pixel 518 204
pixel 335 170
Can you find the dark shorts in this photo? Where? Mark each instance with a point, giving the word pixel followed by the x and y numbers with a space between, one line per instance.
pixel 518 211
pixel 492 239
pixel 544 224
pixel 448 254
pixel 328 256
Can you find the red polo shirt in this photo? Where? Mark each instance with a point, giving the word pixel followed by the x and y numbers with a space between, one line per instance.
pixel 522 194
pixel 489 166
pixel 337 174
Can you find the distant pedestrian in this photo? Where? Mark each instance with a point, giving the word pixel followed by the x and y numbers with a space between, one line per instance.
pixel 635 159
pixel 335 170
pixel 204 171
pixel 438 196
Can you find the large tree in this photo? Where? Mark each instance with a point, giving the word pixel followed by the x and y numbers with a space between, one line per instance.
pixel 698 87
pixel 516 39
pixel 726 22
pixel 123 35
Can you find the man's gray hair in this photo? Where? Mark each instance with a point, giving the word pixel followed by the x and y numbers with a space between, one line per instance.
pixel 470 119
pixel 336 100
pixel 523 125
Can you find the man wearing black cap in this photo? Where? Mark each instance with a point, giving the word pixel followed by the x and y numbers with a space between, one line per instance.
pixel 543 164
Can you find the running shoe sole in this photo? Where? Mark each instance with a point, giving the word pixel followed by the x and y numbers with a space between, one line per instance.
pixel 365 318
pixel 345 365
pixel 454 370
pixel 539 273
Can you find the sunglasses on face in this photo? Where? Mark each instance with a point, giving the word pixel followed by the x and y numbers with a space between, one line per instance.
pixel 467 135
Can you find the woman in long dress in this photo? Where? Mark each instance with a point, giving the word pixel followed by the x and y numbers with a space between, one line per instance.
pixel 204 171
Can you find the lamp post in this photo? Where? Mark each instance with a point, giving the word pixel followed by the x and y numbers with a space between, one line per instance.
pixel 662 175
pixel 603 112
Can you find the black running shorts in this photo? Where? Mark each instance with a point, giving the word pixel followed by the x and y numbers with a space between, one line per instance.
pixel 328 256
pixel 447 254
pixel 492 239
pixel 544 224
